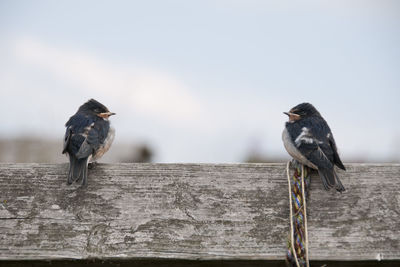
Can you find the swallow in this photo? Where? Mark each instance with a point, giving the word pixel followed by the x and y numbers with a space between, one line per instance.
pixel 309 140
pixel 87 137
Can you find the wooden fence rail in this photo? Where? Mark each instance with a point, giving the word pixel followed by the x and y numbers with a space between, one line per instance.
pixel 193 212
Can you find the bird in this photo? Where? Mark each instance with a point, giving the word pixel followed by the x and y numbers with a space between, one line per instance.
pixel 87 137
pixel 309 140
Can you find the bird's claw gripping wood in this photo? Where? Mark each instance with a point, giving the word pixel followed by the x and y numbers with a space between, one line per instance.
pixel 92 165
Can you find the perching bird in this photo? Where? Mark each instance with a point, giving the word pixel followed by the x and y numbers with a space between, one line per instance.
pixel 87 138
pixel 309 140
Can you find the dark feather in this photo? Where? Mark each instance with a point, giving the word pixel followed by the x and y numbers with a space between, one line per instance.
pixel 339 186
pixel 336 158
pixel 67 138
pixel 89 145
pixel 315 155
pixel 92 105
pixel 327 177
pixel 77 169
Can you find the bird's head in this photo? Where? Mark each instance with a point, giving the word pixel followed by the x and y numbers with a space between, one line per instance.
pixel 301 111
pixel 96 108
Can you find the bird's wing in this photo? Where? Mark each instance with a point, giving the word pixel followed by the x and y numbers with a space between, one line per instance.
pixel 336 158
pixel 80 135
pixel 315 154
pixel 102 127
pixel 90 144
pixel 310 138
pixel 94 134
pixel 67 139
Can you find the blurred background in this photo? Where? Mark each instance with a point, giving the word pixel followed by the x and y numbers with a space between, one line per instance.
pixel 200 81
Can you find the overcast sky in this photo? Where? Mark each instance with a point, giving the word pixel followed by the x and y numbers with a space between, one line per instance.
pixel 205 81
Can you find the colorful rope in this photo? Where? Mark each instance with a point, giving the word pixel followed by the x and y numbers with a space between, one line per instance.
pixel 297 252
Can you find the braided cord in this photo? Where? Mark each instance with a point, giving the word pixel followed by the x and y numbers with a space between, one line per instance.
pixel 305 213
pixel 297 253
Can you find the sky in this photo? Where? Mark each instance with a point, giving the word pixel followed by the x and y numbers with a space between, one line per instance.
pixel 205 81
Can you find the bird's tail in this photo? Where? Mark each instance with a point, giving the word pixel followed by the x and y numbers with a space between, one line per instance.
pixel 330 179
pixel 77 170
pixel 339 186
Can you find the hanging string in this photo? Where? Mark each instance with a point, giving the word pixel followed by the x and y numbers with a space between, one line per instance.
pixel 297 253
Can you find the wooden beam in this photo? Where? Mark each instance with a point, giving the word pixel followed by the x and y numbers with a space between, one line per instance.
pixel 193 211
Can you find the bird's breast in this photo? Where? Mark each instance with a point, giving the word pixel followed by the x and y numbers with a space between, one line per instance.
pixel 105 146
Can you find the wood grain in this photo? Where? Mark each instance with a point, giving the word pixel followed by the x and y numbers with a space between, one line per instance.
pixel 193 211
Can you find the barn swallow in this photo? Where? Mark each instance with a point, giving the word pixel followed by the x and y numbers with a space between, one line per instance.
pixel 309 140
pixel 88 136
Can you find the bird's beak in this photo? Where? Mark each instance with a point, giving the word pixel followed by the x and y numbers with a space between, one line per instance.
pixel 292 116
pixel 106 114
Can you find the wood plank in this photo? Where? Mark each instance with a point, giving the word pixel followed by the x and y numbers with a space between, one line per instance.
pixel 193 211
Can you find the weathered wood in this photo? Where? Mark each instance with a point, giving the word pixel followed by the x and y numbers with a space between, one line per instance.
pixel 193 211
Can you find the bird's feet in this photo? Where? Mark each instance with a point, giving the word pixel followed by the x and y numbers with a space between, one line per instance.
pixel 92 165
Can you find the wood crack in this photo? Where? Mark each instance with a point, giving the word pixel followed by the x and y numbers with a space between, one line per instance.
pixel 193 211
